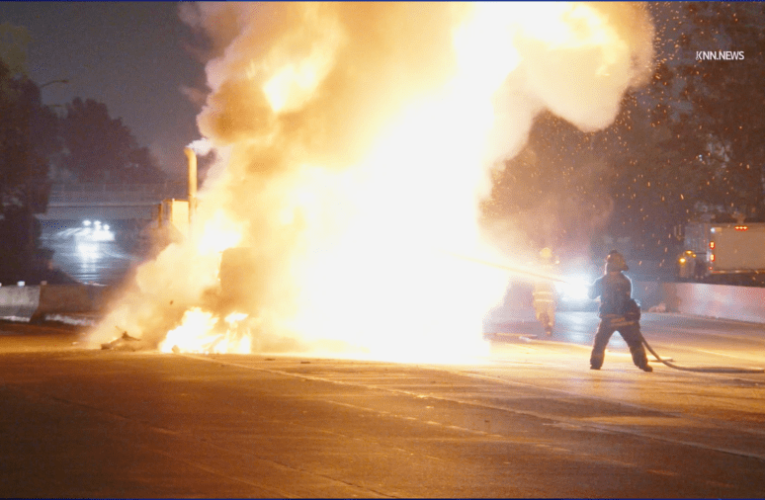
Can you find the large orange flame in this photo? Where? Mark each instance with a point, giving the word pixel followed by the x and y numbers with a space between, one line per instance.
pixel 355 141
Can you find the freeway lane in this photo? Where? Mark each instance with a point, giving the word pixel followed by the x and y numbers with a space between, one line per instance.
pixel 530 420
pixel 688 340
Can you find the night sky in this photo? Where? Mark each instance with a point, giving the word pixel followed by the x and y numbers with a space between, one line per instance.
pixel 132 56
pixel 135 58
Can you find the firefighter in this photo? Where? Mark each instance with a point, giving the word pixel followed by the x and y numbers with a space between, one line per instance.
pixel 618 312
pixel 544 292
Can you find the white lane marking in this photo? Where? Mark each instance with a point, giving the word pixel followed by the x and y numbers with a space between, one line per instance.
pixel 555 418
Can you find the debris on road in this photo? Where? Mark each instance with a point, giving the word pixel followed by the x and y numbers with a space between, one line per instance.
pixel 126 343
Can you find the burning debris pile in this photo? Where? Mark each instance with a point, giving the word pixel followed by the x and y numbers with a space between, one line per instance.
pixel 354 142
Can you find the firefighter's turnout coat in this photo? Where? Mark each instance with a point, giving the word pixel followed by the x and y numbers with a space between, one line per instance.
pixel 618 312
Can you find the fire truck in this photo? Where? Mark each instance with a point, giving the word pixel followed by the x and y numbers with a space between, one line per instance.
pixel 722 249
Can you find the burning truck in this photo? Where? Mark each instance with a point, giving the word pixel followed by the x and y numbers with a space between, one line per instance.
pixel 355 142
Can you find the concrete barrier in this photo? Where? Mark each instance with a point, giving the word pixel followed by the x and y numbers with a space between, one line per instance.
pixel 648 293
pixel 717 301
pixel 740 303
pixel 19 302
pixel 31 302
pixel 70 299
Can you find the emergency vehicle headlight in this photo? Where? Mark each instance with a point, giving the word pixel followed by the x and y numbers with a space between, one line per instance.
pixel 576 288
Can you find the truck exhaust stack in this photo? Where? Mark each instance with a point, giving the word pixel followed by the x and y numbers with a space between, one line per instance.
pixel 192 161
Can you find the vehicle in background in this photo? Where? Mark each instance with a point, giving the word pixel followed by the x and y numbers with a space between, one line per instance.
pixel 723 252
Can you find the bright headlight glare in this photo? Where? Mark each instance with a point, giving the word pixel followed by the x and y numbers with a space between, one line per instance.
pixel 575 288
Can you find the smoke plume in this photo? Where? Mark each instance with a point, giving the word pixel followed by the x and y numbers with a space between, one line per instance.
pixel 354 143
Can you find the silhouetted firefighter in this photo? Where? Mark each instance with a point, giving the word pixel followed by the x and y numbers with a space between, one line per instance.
pixel 618 312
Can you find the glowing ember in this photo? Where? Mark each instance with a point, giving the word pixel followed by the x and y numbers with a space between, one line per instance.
pixel 355 142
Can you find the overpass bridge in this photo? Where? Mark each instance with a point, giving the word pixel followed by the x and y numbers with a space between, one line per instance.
pixel 110 202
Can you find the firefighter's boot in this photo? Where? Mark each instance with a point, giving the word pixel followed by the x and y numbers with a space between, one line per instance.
pixel 640 359
pixel 596 360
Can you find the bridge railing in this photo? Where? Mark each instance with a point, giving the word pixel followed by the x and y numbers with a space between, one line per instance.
pixel 95 193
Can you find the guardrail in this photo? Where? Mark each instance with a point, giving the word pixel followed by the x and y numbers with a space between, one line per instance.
pixel 114 193
pixel 109 201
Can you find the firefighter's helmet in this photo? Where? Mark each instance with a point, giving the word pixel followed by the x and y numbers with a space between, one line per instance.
pixel 615 262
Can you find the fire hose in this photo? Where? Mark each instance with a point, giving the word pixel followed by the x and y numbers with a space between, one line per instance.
pixel 700 369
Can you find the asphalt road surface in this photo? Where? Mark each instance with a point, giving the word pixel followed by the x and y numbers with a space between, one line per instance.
pixel 530 420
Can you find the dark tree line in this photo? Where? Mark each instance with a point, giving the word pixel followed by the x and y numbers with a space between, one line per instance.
pixel 38 147
pixel 26 131
pixel 98 148
pixel 729 101
pixel 688 146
